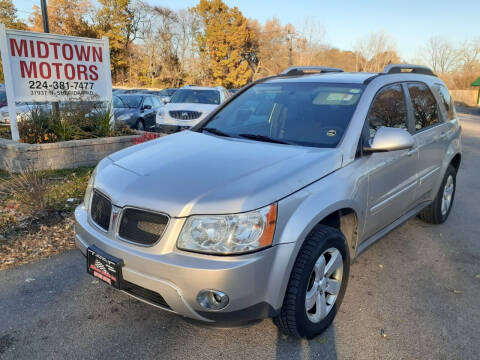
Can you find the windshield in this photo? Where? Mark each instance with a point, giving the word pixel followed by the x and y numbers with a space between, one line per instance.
pixel 167 92
pixel 196 96
pixel 132 100
pixel 118 103
pixel 309 114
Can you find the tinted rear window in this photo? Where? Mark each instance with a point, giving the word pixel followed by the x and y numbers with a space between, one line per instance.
pixel 309 114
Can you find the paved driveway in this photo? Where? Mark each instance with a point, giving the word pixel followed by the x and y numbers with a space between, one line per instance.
pixel 413 295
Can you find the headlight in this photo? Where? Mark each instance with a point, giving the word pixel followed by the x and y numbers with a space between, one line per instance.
pixel 123 117
pixel 89 190
pixel 229 234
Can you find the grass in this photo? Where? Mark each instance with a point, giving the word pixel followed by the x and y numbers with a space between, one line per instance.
pixel 67 185
pixel 30 232
pixel 4 175
pixel 60 191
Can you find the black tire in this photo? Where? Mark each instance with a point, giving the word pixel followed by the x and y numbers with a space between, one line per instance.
pixel 292 319
pixel 140 125
pixel 433 213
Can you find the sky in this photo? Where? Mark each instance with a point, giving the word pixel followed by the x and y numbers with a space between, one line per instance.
pixel 409 23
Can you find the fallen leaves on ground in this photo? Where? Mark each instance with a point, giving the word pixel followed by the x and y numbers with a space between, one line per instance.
pixel 36 242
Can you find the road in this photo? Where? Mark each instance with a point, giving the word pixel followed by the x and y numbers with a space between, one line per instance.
pixel 413 295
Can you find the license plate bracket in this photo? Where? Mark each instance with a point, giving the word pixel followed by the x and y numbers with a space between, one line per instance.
pixel 105 267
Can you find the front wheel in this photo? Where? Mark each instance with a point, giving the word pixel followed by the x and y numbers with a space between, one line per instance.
pixel 317 284
pixel 140 125
pixel 437 212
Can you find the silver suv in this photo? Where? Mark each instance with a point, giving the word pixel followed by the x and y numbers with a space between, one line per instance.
pixel 259 210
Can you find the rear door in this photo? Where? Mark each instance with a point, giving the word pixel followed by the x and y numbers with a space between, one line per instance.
pixel 431 134
pixel 392 175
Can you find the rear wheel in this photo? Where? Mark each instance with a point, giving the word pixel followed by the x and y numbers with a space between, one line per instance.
pixel 317 284
pixel 437 212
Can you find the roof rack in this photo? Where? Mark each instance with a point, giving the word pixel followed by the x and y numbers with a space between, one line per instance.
pixel 416 69
pixel 303 70
pixel 397 69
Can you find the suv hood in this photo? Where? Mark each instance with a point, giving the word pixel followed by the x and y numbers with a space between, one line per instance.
pixel 193 173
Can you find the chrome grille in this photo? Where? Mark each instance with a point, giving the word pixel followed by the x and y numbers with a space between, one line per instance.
pixel 100 210
pixel 141 226
pixel 185 114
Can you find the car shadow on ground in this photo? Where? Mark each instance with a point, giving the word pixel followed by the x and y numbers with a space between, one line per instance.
pixel 414 294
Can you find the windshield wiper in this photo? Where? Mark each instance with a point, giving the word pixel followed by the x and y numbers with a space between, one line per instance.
pixel 216 132
pixel 262 138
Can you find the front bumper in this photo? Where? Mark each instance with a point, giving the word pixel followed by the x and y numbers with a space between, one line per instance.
pixel 252 282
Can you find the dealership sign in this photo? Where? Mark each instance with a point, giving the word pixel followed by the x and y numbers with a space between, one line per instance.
pixel 45 67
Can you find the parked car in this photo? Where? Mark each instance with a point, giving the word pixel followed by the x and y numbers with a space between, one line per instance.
pixel 3 98
pixel 134 91
pixel 166 94
pixel 24 111
pixel 117 91
pixel 188 106
pixel 259 210
pixel 136 110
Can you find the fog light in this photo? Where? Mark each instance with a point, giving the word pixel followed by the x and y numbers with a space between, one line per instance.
pixel 212 299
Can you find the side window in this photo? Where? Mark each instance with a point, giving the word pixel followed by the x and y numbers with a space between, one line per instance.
pixel 446 100
pixel 156 102
pixel 388 109
pixel 425 106
pixel 148 101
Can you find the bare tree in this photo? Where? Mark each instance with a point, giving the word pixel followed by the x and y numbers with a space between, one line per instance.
pixel 310 43
pixel 469 55
pixel 440 55
pixel 375 51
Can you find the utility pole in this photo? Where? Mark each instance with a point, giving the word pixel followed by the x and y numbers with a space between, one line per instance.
pixel 46 28
pixel 289 39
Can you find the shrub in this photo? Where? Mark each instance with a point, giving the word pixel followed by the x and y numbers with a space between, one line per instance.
pixel 35 193
pixel 28 189
pixel 35 128
pixel 71 122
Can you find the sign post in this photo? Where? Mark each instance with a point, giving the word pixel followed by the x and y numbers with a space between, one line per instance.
pixel 109 80
pixel 43 67
pixel 12 108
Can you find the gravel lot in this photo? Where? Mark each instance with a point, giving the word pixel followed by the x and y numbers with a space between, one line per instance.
pixel 413 295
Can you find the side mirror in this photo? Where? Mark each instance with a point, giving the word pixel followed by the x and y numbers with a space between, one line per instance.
pixel 146 107
pixel 390 139
pixel 165 100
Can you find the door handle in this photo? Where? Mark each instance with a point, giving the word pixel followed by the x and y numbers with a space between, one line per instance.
pixel 443 135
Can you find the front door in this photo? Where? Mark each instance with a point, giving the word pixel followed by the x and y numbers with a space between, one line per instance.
pixel 392 176
pixel 149 113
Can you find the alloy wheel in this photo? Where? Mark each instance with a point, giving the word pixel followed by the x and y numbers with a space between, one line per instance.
pixel 447 195
pixel 324 285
